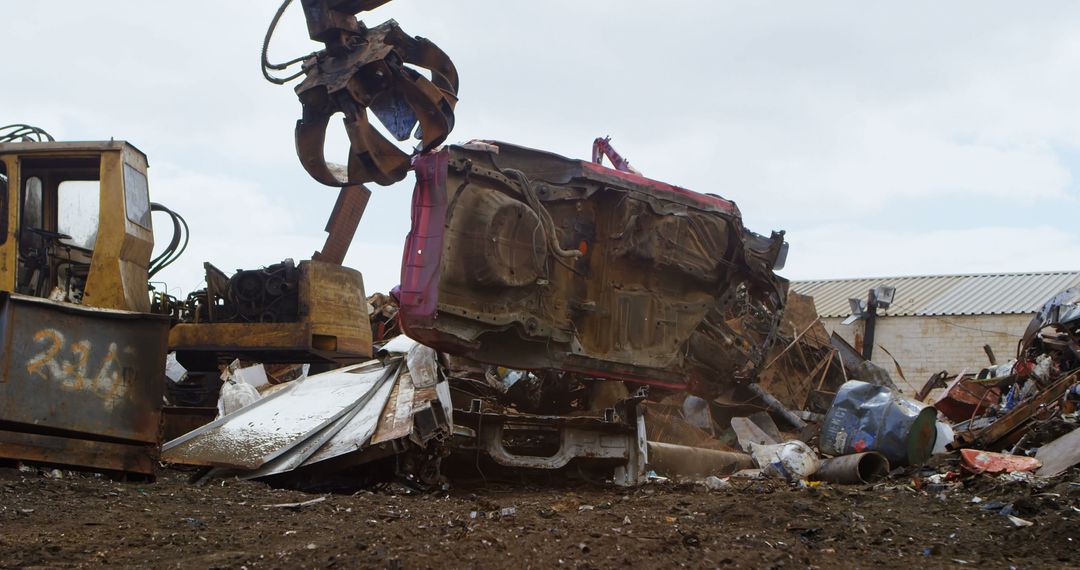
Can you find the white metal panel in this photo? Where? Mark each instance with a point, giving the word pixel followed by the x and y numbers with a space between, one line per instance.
pixel 256 434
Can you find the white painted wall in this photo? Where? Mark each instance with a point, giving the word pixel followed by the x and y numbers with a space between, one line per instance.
pixel 926 345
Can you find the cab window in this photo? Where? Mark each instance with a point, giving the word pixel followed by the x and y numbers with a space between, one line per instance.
pixel 136 196
pixel 32 214
pixel 77 210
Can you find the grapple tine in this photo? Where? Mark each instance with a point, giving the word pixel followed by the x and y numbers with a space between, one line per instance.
pixel 424 53
pixel 425 99
pixel 310 144
pixel 373 158
pixel 364 66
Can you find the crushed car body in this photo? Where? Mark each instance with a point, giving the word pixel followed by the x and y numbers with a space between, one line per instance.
pixel 530 260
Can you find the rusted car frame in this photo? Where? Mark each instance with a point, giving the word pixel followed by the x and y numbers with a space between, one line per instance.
pixel 530 260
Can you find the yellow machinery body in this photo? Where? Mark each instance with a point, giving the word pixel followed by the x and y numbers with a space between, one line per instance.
pixel 332 326
pixel 97 189
pixel 83 359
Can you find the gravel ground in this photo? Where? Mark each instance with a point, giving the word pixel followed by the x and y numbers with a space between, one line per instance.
pixel 83 520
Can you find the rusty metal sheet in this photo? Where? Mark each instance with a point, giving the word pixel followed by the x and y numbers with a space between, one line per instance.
pixel 396 420
pixel 81 373
pixel 965 399
pixel 1059 455
pixel 139 458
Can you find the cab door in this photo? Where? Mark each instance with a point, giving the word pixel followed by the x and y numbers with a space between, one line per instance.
pixel 59 213
pixel 9 201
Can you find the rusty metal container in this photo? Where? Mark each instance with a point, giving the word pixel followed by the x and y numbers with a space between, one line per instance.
pixel 80 386
pixel 866 417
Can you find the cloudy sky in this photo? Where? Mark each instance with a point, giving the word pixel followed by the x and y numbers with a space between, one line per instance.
pixel 887 139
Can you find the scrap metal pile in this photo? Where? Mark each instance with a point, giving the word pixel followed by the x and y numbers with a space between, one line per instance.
pixel 813 411
pixel 555 318
pixel 559 317
pixel 550 333
pixel 1022 412
pixel 568 319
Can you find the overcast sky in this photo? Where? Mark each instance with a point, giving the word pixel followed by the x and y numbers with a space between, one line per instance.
pixel 887 139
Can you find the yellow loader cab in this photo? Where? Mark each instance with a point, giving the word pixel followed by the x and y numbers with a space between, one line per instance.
pixel 83 358
pixel 77 223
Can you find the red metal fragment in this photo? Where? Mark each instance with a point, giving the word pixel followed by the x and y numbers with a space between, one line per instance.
pixel 978 461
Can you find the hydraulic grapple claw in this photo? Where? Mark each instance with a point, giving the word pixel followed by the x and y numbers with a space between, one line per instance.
pixel 371 69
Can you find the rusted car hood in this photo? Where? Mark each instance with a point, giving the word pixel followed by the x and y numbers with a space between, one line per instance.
pixel 530 260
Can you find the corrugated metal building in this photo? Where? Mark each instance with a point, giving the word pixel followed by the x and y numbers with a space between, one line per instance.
pixel 940 322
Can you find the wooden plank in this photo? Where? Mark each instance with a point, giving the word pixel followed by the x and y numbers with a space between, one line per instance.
pixel 1019 417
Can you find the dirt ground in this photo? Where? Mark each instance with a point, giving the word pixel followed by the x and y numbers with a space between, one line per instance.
pixel 84 520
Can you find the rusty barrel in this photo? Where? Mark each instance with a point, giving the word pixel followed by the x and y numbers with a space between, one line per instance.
pixel 866 417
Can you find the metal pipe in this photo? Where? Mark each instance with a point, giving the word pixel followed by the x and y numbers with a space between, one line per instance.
pixel 869 325
pixel 684 461
pixel 855 469
pixel 773 404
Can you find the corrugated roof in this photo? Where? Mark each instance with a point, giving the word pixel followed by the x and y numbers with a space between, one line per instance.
pixel 986 294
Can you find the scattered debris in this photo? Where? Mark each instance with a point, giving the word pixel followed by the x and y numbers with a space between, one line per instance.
pixel 990 462
pixel 749 433
pixel 350 411
pixel 1019 522
pixel 239 387
pixel 297 506
pixel 792 460
pixel 714 483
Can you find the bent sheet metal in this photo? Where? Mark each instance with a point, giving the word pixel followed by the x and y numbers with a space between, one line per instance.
pixel 313 420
